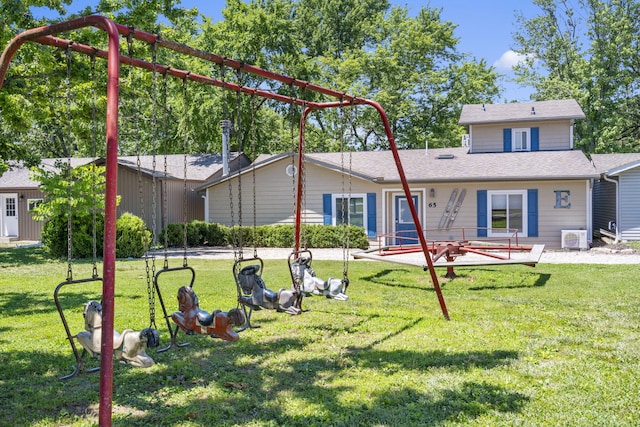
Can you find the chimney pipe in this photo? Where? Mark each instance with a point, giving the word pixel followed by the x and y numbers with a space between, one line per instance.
pixel 226 131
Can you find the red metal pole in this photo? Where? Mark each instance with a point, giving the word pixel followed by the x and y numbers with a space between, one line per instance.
pixel 109 257
pixel 108 284
pixel 412 208
pixel 405 186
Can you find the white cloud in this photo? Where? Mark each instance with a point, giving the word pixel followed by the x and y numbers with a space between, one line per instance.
pixel 508 60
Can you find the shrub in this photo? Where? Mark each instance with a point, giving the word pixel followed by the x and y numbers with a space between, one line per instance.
pixel 175 235
pixel 215 235
pixel 54 236
pixel 268 236
pixel 132 236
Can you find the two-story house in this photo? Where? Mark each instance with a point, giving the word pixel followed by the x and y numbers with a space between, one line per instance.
pixel 514 170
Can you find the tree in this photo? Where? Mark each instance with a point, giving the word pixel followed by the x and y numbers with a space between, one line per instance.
pixel 588 53
pixel 73 197
pixel 48 99
pixel 361 47
pixel 78 190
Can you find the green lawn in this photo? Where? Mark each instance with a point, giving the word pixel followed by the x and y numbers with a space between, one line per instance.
pixel 555 345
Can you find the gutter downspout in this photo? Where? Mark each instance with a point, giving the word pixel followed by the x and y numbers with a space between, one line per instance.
pixel 616 183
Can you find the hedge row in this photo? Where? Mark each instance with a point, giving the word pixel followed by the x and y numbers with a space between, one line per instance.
pixel 133 237
pixel 200 233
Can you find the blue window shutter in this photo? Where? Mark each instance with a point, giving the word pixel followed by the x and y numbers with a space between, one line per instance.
pixel 482 213
pixel 532 212
pixel 535 139
pixel 326 209
pixel 371 215
pixel 506 140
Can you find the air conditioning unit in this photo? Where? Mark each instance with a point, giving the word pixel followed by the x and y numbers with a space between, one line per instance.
pixel 574 239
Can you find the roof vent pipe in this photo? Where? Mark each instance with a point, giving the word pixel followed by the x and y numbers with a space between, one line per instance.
pixel 226 131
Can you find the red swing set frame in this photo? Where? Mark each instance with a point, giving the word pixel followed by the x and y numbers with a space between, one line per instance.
pixel 46 36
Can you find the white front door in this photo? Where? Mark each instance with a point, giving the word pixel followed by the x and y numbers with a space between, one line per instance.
pixel 8 215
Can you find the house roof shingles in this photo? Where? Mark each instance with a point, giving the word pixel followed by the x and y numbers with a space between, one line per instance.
pixel 200 167
pixel 609 163
pixel 456 164
pixel 473 114
pixel 19 177
pixel 450 165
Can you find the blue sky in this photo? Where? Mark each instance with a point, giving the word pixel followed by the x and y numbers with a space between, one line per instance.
pixel 484 29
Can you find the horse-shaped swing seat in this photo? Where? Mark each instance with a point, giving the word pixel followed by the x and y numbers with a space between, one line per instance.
pixel 129 346
pixel 192 320
pixel 253 293
pixel 304 276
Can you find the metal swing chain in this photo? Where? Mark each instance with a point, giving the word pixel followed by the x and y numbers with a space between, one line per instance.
pixel 225 115
pixel 253 173
pixel 303 176
pixel 185 145
pixel 69 174
pixel 151 295
pixel 345 224
pixel 239 142
pixel 293 158
pixel 93 154
pixel 165 143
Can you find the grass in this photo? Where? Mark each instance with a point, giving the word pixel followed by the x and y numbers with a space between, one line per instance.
pixel 554 345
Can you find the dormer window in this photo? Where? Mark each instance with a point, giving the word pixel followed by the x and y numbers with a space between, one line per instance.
pixel 521 138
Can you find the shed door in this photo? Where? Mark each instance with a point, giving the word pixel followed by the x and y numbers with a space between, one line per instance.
pixel 9 215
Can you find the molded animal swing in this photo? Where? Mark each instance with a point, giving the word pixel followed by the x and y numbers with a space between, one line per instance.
pixel 192 320
pixel 252 290
pixel 254 293
pixel 129 347
pixel 304 277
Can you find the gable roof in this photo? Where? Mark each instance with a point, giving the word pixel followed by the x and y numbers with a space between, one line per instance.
pixel 615 163
pixel 445 165
pixel 199 167
pixel 19 176
pixel 457 164
pixel 565 109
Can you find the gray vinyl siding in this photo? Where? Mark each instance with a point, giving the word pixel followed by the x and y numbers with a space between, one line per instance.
pixel 604 204
pixel 554 135
pixel 630 205
pixel 486 138
pixel 28 228
pixel 129 186
pixel 275 195
pixel 551 221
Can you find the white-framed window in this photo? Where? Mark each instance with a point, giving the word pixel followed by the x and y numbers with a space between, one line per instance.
pixel 521 139
pixel 10 206
pixel 507 211
pixel 33 203
pixel 350 209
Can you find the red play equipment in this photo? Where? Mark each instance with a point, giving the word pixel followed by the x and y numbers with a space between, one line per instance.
pixel 46 36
